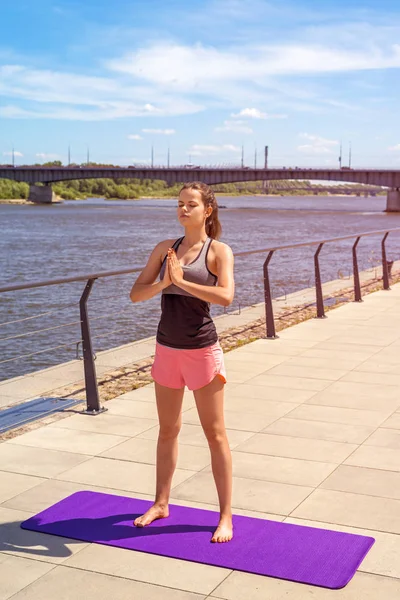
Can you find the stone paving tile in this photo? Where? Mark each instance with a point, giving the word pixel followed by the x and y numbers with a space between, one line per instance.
pixel 357 510
pixel 318 430
pixel 249 391
pixel 291 382
pixel 289 370
pixel 243 374
pixel 252 494
pixel 68 440
pixel 387 438
pixel 375 457
pixel 367 481
pixel 65 583
pixel 244 358
pixel 17 573
pixel 51 491
pixel 13 484
pixel 387 356
pixel 257 406
pixel 193 435
pixel 149 568
pixel 193 458
pixel 349 399
pixel 105 423
pixel 365 390
pixel 383 557
pixel 132 408
pixel 344 348
pixel 329 353
pixel 367 340
pixel 36 461
pixel 381 366
pixel 277 469
pixel 393 422
pixel 323 362
pixel 256 587
pixel 121 475
pixel 383 379
pixel 302 448
pixel 277 347
pixel 332 414
pixel 31 544
pixel 303 331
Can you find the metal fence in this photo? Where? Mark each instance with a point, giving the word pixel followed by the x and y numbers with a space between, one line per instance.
pixel 92 396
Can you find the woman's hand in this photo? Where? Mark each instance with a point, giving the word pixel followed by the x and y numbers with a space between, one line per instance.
pixel 174 267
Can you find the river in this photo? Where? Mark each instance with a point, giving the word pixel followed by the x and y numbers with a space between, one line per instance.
pixel 86 236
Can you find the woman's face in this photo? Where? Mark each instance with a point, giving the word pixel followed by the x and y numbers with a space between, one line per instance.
pixel 191 209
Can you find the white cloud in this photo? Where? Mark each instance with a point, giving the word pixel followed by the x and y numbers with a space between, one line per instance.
pixel 68 96
pixel 202 150
pixel 16 153
pixel 235 126
pixel 166 78
pixel 134 136
pixel 254 113
pixel 159 131
pixel 317 145
pixel 184 67
pixel 395 148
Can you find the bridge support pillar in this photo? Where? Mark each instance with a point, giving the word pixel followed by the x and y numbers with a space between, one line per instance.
pixel 41 194
pixel 393 201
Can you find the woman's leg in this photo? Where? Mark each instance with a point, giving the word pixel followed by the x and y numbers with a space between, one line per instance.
pixel 210 406
pixel 169 408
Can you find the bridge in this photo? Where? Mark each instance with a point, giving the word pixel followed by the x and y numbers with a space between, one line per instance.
pixel 389 178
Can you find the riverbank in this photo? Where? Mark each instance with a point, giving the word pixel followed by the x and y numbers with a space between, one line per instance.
pixel 14 201
pixel 24 201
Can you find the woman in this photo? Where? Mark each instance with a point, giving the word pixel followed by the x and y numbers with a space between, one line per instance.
pixel 187 347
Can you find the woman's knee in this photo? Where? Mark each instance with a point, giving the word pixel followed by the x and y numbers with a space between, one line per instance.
pixel 215 436
pixel 169 432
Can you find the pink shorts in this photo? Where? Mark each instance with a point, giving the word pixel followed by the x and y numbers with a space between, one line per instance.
pixel 176 367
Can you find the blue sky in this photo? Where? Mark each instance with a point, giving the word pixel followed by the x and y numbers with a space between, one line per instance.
pixel 203 78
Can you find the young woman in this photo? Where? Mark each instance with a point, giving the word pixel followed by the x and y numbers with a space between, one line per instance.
pixel 187 347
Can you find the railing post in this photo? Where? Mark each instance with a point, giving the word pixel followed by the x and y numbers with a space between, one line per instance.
pixel 269 311
pixel 356 275
pixel 92 393
pixel 385 270
pixel 318 285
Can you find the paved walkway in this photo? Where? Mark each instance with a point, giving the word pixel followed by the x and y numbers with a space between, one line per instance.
pixel 314 425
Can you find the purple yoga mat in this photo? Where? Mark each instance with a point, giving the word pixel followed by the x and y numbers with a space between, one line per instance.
pixel 297 553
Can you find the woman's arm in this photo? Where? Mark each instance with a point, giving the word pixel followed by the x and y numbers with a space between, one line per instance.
pixel 222 293
pixel 146 286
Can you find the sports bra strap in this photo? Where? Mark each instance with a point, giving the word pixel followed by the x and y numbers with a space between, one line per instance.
pixel 177 242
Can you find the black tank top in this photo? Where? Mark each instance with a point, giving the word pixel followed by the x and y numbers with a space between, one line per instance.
pixel 185 320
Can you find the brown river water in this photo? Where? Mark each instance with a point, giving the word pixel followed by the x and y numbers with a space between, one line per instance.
pixel 78 237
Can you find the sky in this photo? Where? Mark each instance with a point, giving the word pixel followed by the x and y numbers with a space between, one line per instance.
pixel 203 78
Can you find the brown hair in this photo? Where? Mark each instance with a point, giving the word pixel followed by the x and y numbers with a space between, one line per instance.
pixel 213 226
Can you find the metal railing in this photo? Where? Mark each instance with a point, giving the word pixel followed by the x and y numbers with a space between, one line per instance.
pixel 92 395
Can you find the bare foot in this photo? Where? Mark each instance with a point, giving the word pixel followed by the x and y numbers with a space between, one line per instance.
pixel 154 512
pixel 224 531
